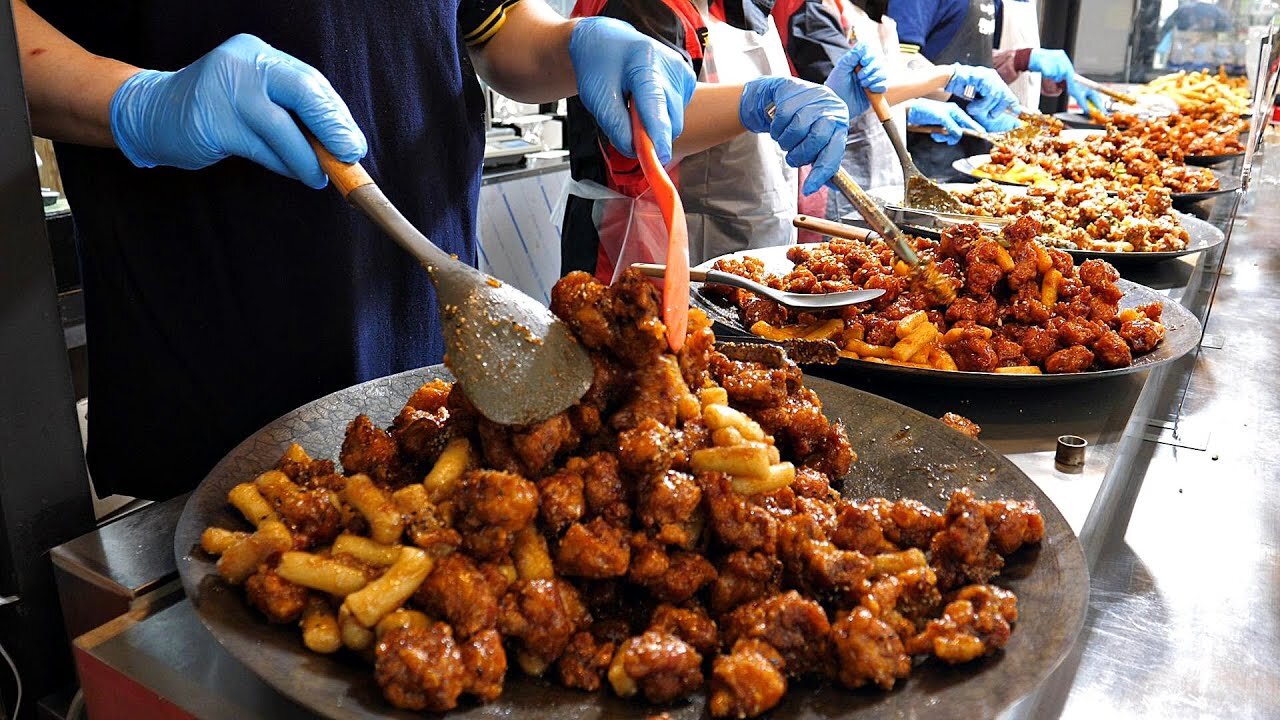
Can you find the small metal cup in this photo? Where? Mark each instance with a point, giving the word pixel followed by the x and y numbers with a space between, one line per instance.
pixel 1069 457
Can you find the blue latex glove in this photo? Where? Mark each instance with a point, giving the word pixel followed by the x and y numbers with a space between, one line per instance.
pixel 614 62
pixel 947 114
pixel 235 100
pixel 810 122
pixel 851 86
pixel 1056 66
pixel 991 99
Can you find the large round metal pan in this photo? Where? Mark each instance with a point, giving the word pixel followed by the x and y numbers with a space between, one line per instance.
pixel 1182 334
pixel 1203 236
pixel 902 453
pixel 1226 183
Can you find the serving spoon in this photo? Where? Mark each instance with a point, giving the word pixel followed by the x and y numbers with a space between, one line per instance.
pixel 515 360
pixel 803 302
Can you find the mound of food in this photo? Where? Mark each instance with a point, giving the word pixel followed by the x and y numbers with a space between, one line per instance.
pixel 1084 216
pixel 675 531
pixel 1203 94
pixel 1020 307
pixel 1115 162
pixel 1177 136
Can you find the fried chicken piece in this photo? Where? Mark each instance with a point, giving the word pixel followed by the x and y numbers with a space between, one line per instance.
pixel 635 309
pixel 796 626
pixel 907 523
pixel 311 516
pixel 733 520
pixel 669 505
pixel 750 385
pixel 813 483
pixel 646 449
pixel 973 352
pixel 422 428
pixel 369 449
pixel 961 424
pixel 868 651
pixel 662 667
pixel 420 668
pixel 541 615
pixel 562 499
pixel 280 600
pixel 1142 335
pixel 1012 524
pixel 858 528
pixel 694 357
pixel 747 682
pixel 581 302
pixel 584 662
pixel 1111 350
pixel 1076 358
pixel 670 577
pixel 597 549
pixel 459 592
pixel 961 552
pixel 977 622
pixel 538 445
pixel 602 487
pixel 484 665
pixel 312 474
pixel 743 577
pixel 657 395
pixel 691 624
pixel 1037 344
pixel 814 564
pixel 493 506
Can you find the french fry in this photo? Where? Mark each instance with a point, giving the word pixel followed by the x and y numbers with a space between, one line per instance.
pixel 320 573
pixel 215 541
pixel 908 324
pixel 775 456
pixel 777 477
pixel 824 330
pixel 385 522
pixel 320 632
pixel 532 559
pixel 1049 287
pixel 722 416
pixel 772 332
pixel 954 334
pixel 255 508
pixel 365 550
pixel 941 359
pixel 911 344
pixel 1043 260
pixel 1019 370
pixel 275 486
pixel 295 453
pixel 241 559
pixel 922 357
pixel 856 331
pixel 713 396
pixel 397 584
pixel 898 562
pixel 447 472
pixel 742 460
pixel 1003 259
pixel 402 618
pixel 354 635
pixel 869 351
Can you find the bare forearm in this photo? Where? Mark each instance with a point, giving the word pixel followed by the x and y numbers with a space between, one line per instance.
pixel 528 59
pixel 69 89
pixel 918 82
pixel 711 118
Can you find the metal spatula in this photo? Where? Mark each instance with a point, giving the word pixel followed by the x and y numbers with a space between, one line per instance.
pixel 921 192
pixel 516 362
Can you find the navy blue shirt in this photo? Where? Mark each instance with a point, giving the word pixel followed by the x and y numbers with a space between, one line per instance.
pixel 928 24
pixel 219 299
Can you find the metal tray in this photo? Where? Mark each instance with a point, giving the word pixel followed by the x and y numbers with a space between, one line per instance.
pixel 1227 183
pixel 1203 235
pixel 902 453
pixel 1182 334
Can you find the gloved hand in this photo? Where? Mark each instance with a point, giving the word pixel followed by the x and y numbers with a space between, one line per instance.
pixel 810 122
pixel 924 111
pixel 235 101
pixel 853 87
pixel 614 62
pixel 990 96
pixel 1056 66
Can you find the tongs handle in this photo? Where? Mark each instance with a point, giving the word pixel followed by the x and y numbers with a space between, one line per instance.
pixel 657 271
pixel 832 228
pixel 1113 94
pixel 938 129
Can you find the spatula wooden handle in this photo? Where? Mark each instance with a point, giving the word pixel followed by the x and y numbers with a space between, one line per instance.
pixel 345 176
pixel 828 227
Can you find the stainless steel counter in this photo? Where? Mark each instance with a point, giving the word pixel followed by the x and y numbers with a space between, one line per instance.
pixel 1177 507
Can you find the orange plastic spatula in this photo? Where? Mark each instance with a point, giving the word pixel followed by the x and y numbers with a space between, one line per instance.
pixel 675 282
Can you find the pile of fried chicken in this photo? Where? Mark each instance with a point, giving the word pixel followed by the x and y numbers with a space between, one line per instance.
pixel 592 550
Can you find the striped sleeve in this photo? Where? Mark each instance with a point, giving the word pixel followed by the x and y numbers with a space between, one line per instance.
pixel 480 20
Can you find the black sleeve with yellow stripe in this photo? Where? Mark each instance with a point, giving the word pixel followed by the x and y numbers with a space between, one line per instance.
pixel 480 20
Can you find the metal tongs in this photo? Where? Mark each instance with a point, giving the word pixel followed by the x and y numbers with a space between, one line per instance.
pixel 803 302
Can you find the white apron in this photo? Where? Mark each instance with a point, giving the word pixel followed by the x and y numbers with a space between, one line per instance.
pixel 740 194
pixel 869 156
pixel 1021 29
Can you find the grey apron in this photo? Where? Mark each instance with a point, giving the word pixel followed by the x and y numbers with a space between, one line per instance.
pixel 971 46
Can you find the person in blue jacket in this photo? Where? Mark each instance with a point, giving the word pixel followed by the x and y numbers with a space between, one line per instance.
pixel 218 300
